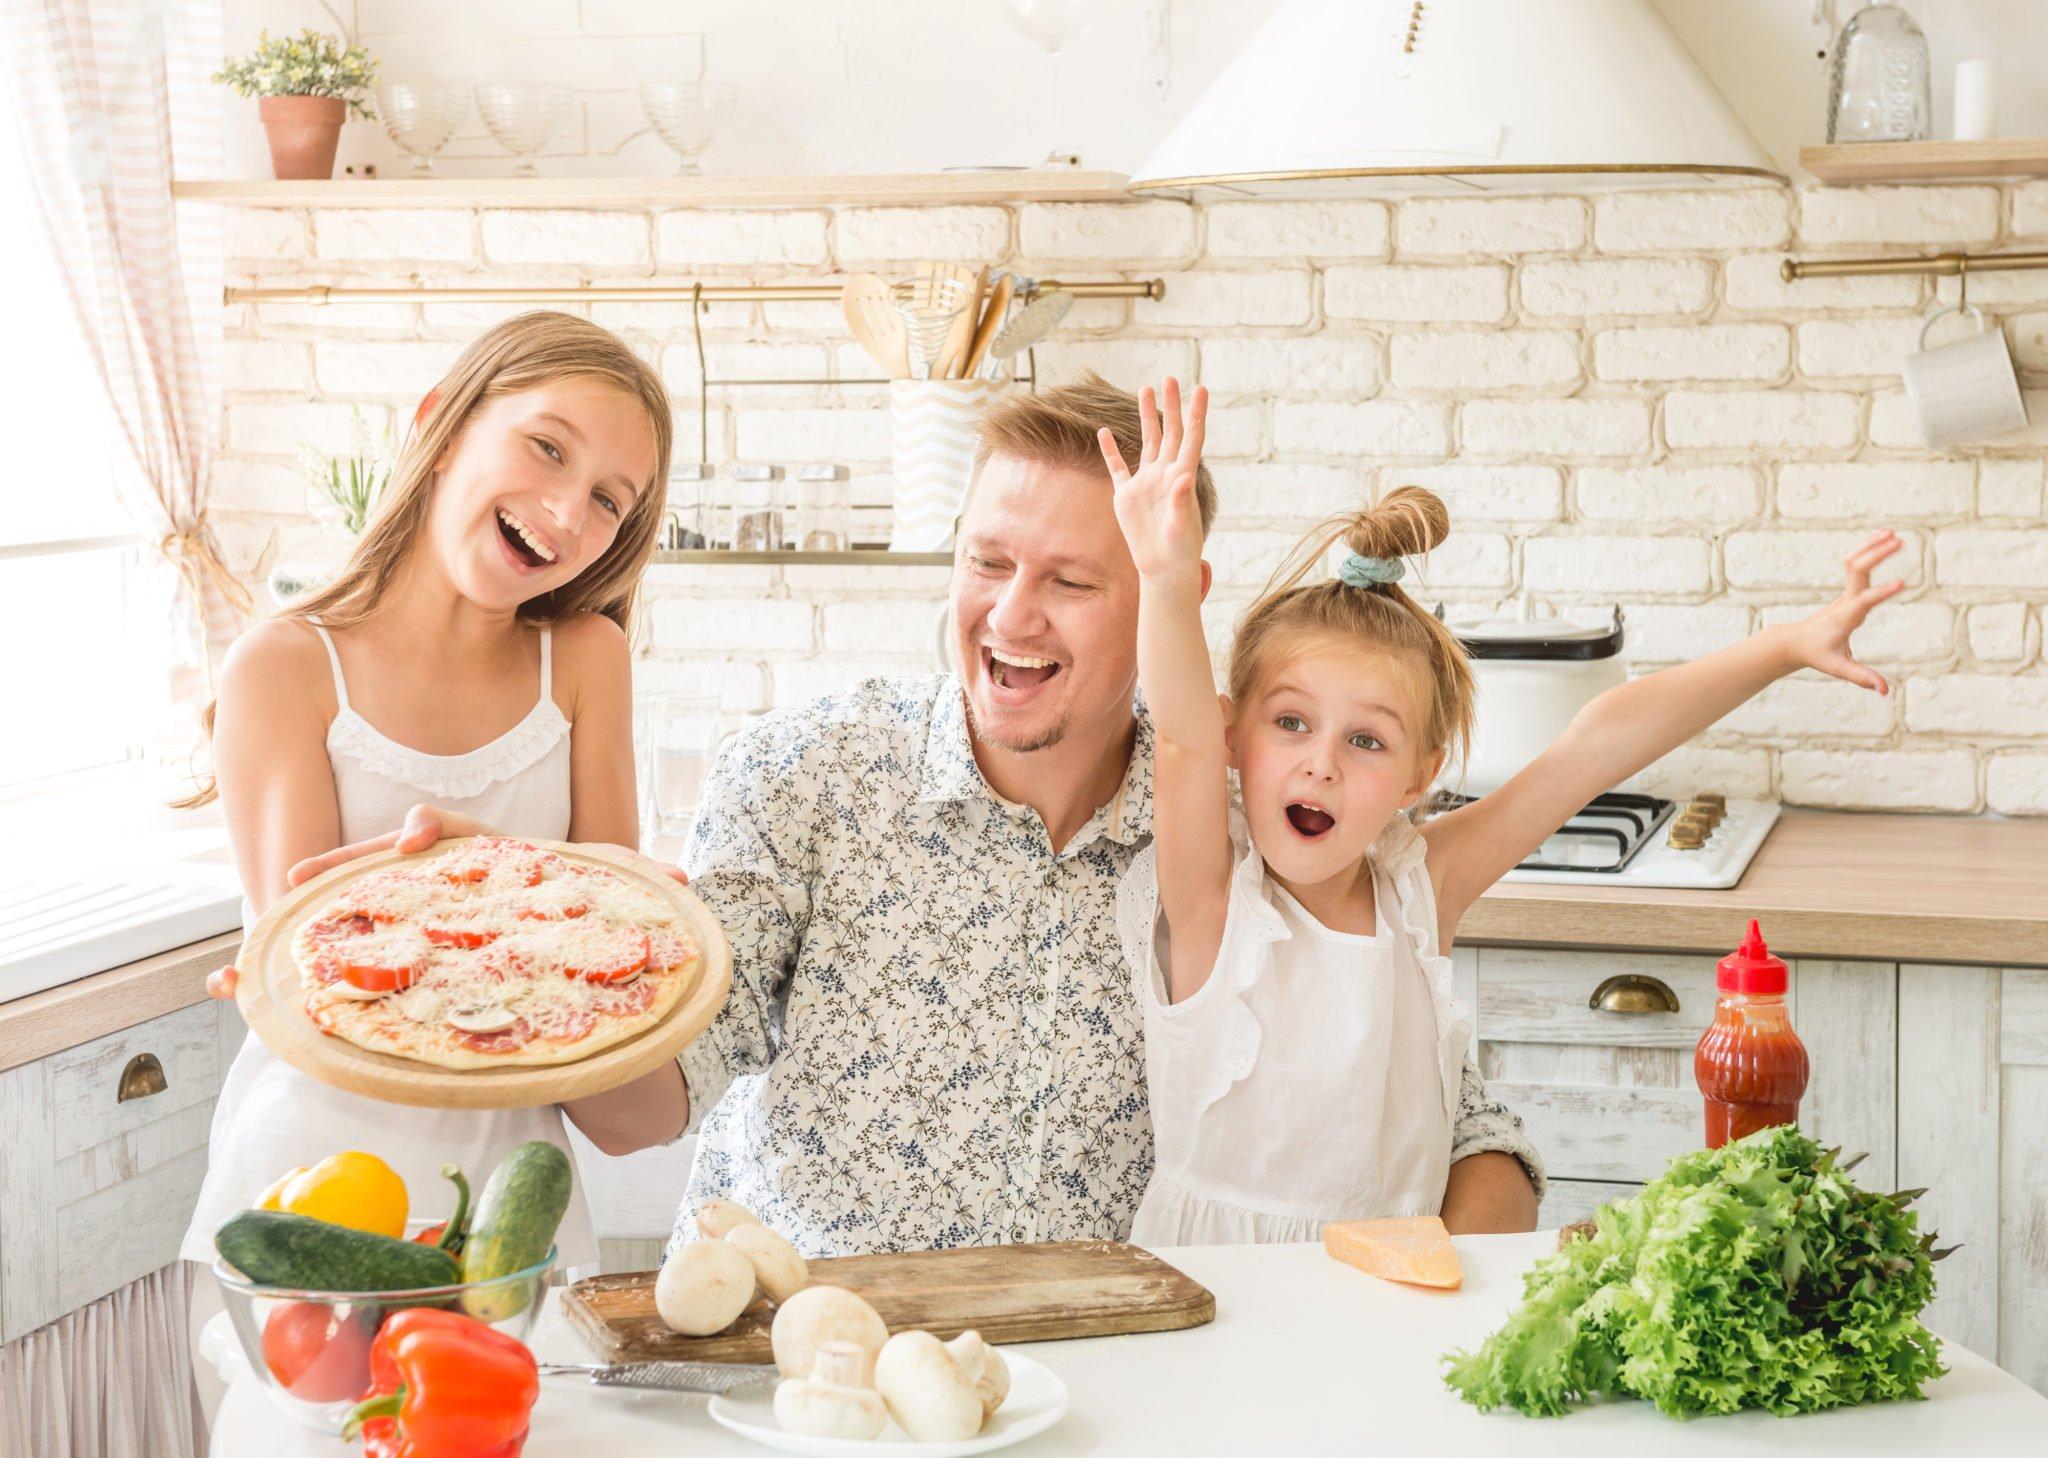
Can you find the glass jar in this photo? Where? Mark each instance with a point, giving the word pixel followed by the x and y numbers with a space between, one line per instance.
pixel 757 509
pixel 686 522
pixel 824 509
pixel 1878 87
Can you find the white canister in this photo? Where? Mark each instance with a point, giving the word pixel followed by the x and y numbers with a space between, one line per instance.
pixel 1533 676
pixel 931 447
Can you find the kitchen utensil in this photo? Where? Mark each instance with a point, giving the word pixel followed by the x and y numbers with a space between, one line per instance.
pixel 1034 321
pixel 952 359
pixel 869 305
pixel 666 1376
pixel 523 118
pixel 991 320
pixel 929 312
pixel 687 115
pixel 931 450
pixel 1037 1400
pixel 1008 1293
pixel 1532 677
pixel 268 995
pixel 421 119
pixel 312 1348
pixel 1966 390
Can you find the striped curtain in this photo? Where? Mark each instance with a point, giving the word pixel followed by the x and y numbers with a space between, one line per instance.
pixel 112 101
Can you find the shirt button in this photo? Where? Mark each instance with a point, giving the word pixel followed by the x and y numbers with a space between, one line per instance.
pixel 1041 993
pixel 1017 1232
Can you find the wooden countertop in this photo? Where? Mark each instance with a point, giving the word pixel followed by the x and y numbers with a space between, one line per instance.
pixel 1916 888
pixel 77 1012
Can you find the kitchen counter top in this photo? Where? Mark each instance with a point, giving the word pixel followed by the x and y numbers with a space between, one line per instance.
pixel 1305 1356
pixel 1918 888
pixel 63 1017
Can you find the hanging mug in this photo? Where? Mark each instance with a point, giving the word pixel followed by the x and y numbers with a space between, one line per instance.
pixel 1967 390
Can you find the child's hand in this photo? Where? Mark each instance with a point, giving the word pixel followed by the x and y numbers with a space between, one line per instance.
pixel 1156 507
pixel 1822 641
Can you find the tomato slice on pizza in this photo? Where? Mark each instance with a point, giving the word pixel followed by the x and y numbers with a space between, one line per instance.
pixel 612 957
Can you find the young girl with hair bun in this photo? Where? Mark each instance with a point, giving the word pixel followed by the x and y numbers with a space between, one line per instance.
pixel 1304 1057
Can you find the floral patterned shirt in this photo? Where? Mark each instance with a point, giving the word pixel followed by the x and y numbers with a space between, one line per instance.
pixel 932 1037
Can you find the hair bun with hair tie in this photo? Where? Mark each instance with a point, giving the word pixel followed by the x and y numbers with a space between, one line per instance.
pixel 1361 571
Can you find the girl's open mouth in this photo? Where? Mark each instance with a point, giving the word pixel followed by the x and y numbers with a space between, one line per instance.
pixel 1309 820
pixel 526 548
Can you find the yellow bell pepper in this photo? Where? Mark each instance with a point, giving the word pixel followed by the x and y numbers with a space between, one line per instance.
pixel 354 1189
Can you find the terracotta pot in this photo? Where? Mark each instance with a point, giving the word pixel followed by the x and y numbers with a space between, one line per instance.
pixel 304 132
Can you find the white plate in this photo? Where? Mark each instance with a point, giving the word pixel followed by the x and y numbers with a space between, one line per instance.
pixel 1037 1400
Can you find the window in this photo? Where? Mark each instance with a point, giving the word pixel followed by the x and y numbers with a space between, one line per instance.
pixel 82 687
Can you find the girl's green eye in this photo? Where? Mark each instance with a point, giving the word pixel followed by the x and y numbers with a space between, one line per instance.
pixel 609 504
pixel 549 447
pixel 1365 741
pixel 1292 723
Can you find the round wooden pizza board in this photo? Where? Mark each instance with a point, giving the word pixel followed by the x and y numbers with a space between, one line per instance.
pixel 268 993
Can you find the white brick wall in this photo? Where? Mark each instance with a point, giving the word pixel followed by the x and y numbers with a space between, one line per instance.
pixel 1617 395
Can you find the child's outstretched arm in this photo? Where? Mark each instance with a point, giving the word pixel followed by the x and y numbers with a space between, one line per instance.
pixel 1162 523
pixel 1629 727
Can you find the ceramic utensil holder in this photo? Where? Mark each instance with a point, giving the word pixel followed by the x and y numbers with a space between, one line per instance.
pixel 931 447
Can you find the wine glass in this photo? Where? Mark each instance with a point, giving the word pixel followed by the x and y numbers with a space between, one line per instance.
pixel 421 119
pixel 523 118
pixel 688 115
pixel 676 736
pixel 1052 23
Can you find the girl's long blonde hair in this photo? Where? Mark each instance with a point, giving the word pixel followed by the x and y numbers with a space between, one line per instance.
pixel 1293 614
pixel 523 353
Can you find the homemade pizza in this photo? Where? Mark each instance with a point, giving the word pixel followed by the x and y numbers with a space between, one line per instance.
pixel 497 954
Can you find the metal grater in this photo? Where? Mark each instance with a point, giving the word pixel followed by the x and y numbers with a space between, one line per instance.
pixel 718 1377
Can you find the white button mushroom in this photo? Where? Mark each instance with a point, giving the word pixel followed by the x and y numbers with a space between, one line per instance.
pixel 984 1366
pixel 717 1218
pixel 780 1271
pixel 820 1314
pixel 703 1287
pixel 927 1393
pixel 835 1400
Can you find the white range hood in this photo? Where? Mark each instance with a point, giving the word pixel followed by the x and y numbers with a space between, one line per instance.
pixel 1341 97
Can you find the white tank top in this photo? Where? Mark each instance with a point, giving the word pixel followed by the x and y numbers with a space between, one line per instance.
pixel 271 1117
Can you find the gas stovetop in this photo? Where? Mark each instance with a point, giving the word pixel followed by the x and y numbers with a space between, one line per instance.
pixel 1642 840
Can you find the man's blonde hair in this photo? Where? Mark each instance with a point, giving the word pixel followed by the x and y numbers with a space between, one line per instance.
pixel 1057 428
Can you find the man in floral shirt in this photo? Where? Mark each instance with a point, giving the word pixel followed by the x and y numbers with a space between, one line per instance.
pixel 932 1037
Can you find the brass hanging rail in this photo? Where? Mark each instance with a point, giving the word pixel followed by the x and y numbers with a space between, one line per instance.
pixel 1942 264
pixel 826 290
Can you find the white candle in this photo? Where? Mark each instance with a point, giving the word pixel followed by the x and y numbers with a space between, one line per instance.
pixel 1976 101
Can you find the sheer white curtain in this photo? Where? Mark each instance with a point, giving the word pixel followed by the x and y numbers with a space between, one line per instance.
pixel 110 100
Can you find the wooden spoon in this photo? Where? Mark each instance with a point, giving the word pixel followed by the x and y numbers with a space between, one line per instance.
pixel 930 284
pixel 991 321
pixel 870 308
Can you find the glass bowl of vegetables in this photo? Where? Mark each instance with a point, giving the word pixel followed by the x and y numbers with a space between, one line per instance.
pixel 312 1347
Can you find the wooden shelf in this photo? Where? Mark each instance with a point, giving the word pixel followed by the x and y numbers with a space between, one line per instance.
pixel 874 188
pixel 860 557
pixel 1868 162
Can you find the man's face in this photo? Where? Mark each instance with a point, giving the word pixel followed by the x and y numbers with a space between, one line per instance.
pixel 1044 607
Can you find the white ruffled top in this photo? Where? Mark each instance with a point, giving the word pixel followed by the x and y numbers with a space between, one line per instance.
pixel 1316 1074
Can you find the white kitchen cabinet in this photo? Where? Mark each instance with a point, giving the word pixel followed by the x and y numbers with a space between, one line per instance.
pixel 95 1189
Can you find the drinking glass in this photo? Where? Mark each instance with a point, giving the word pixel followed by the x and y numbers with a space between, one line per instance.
pixel 421 119
pixel 523 118
pixel 678 730
pixel 1052 23
pixel 688 115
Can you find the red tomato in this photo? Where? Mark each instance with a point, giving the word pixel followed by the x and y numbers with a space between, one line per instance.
pixel 465 937
pixel 315 1353
pixel 625 956
pixel 431 1235
pixel 379 979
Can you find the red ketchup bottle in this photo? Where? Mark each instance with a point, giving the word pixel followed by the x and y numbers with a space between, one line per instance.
pixel 1750 1065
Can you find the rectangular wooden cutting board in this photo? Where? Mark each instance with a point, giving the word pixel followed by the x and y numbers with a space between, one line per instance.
pixel 1008 1293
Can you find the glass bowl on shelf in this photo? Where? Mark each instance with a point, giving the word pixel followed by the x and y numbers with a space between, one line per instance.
pixel 421 119
pixel 523 118
pixel 687 115
pixel 311 1349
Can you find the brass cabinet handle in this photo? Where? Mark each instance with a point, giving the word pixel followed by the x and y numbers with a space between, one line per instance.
pixel 1631 993
pixel 142 1078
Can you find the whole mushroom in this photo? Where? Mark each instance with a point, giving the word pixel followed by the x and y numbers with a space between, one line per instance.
pixel 778 1268
pixel 928 1394
pixel 985 1367
pixel 703 1287
pixel 820 1314
pixel 835 1400
pixel 717 1218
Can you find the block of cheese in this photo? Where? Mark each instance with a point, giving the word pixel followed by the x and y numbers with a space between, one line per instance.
pixel 1416 1250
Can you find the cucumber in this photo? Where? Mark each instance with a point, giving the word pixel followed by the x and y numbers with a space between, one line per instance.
pixel 275 1248
pixel 513 1225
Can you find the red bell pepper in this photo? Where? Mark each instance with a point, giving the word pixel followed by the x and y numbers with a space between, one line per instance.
pixel 445 1385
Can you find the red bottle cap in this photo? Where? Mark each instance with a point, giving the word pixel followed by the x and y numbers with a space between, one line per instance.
pixel 1751 969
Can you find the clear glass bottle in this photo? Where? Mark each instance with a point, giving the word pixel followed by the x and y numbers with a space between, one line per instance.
pixel 756 504
pixel 691 493
pixel 824 506
pixel 1878 86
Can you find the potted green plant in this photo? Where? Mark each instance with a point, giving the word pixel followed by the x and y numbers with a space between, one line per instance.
pixel 343 489
pixel 306 86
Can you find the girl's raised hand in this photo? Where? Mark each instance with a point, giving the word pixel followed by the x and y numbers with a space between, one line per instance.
pixel 1822 641
pixel 1156 505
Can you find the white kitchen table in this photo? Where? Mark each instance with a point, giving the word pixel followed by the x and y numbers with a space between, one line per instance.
pixel 1305 1356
